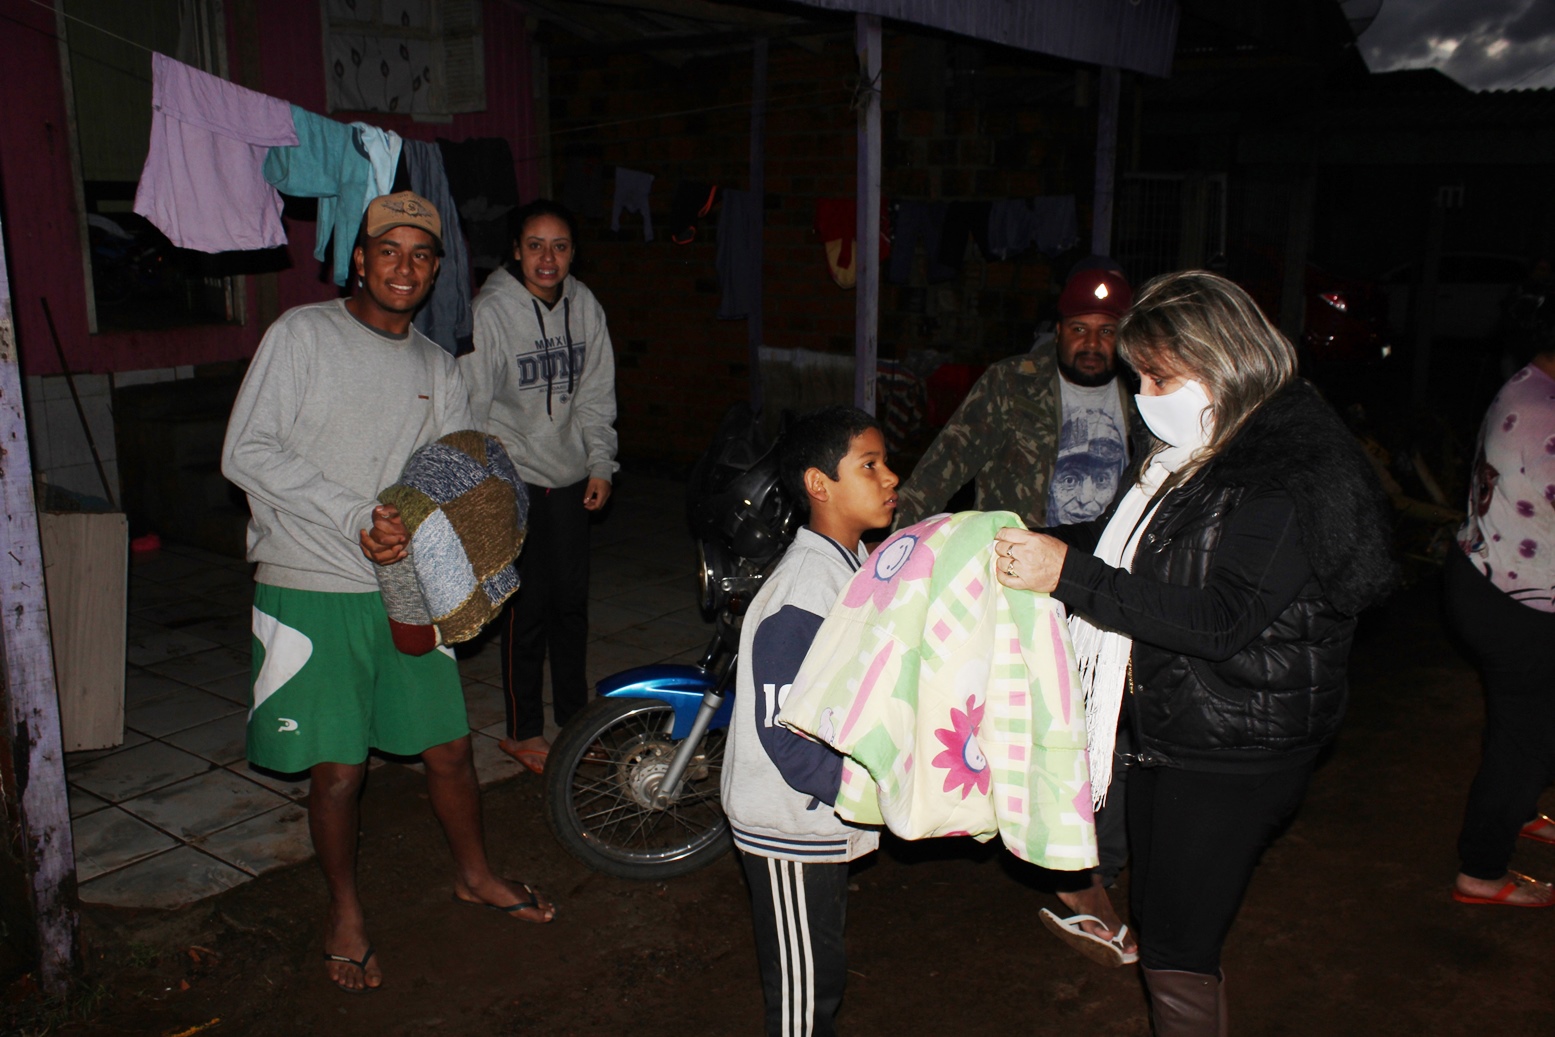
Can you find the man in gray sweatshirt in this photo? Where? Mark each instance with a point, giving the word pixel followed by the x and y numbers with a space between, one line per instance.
pixel 338 397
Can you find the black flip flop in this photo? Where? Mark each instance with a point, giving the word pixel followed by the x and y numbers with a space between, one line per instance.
pixel 512 910
pixel 364 988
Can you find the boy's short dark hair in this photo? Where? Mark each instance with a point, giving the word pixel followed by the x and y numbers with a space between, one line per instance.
pixel 819 439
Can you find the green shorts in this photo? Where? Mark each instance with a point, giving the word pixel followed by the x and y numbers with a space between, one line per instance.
pixel 328 683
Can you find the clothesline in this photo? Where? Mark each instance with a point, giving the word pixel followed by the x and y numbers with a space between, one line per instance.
pixel 741 106
pixel 90 25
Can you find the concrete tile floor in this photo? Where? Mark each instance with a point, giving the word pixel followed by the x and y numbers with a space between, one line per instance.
pixel 175 814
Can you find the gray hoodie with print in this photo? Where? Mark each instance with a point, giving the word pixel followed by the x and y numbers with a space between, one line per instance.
pixel 542 379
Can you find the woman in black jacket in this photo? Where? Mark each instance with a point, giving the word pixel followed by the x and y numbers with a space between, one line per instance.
pixel 1213 608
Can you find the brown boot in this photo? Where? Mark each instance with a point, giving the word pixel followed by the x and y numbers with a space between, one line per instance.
pixel 1185 1004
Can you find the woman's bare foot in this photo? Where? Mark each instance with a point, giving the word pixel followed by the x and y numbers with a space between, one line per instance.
pixel 1541 829
pixel 1512 889
pixel 517 899
pixel 1095 901
pixel 349 960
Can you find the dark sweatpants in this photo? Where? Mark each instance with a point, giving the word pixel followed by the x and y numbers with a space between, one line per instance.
pixel 549 613
pixel 1194 838
pixel 1514 647
pixel 799 911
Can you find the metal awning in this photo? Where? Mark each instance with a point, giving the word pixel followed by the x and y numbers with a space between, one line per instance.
pixel 1138 35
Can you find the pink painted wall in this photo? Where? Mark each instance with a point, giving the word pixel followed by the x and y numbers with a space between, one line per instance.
pixel 42 239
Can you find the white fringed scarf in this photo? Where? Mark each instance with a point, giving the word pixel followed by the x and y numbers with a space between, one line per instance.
pixel 1103 654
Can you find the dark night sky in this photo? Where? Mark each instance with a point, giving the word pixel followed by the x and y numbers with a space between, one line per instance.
pixel 1483 44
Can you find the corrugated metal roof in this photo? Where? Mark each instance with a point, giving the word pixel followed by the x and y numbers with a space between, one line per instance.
pixel 1139 35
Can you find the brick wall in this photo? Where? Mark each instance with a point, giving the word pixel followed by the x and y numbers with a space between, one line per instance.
pixel 990 124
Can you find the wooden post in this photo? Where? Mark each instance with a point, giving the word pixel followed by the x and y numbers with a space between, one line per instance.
pixel 36 807
pixel 754 334
pixel 1298 237
pixel 1106 160
pixel 867 241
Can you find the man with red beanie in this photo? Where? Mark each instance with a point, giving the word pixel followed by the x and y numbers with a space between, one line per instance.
pixel 1046 434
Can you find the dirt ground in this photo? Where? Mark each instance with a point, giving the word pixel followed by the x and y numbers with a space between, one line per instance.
pixel 1347 929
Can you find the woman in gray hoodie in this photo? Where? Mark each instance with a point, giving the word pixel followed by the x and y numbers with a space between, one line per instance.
pixel 542 379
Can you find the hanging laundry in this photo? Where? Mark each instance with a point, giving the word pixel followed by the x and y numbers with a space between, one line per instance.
pixel 1047 224
pixel 632 189
pixel 583 187
pixel 955 698
pixel 693 200
pixel 326 164
pixel 963 219
pixel 918 222
pixel 201 184
pixel 1012 227
pixel 485 188
pixel 382 148
pixel 1058 225
pixel 836 224
pixel 446 318
pixel 738 260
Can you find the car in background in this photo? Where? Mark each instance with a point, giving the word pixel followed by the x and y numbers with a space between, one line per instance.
pixel 1344 319
pixel 1345 322
pixel 1470 290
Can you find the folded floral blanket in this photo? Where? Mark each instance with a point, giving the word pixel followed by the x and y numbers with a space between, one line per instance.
pixel 955 699
pixel 466 511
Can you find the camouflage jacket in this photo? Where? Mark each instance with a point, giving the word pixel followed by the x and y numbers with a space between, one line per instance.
pixel 1005 433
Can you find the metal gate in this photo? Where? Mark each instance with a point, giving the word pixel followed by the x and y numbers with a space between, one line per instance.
pixel 1169 221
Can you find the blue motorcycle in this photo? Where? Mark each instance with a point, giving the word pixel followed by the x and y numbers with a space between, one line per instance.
pixel 632 782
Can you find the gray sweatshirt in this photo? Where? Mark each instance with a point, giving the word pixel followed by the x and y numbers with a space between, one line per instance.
pixel 329 413
pixel 543 380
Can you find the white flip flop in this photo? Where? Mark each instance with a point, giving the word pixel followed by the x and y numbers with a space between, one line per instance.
pixel 1103 952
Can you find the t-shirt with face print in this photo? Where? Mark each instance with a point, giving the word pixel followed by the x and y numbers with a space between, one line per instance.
pixel 1092 454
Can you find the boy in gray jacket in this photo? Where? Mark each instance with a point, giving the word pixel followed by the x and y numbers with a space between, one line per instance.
pixel 778 786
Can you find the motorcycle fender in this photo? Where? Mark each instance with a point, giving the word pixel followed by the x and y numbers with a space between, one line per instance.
pixel 680 686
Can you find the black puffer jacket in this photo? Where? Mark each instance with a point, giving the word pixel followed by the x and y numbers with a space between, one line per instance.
pixel 1283 693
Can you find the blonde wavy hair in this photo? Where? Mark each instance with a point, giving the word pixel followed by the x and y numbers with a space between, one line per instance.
pixel 1209 329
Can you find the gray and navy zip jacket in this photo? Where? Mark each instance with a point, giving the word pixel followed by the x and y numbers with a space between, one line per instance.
pixel 778 787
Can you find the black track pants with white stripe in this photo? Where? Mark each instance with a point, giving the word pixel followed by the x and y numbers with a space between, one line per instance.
pixel 799 910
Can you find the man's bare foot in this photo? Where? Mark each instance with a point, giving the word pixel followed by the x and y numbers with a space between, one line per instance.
pixel 349 960
pixel 1512 889
pixel 517 899
pixel 1095 901
pixel 531 752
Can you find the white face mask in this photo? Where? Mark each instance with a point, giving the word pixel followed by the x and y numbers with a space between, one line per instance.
pixel 1181 418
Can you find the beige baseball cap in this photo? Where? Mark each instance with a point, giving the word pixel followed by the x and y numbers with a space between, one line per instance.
pixel 403 209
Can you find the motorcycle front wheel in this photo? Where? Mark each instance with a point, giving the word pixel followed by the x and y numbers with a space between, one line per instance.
pixel 601 779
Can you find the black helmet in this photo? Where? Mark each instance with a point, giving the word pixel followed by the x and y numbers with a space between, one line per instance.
pixel 751 514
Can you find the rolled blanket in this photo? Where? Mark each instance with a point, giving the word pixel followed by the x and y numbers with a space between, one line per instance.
pixel 466 512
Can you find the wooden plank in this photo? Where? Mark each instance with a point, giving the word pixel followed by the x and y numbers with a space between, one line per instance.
pixel 754 333
pixel 1106 160
pixel 866 249
pixel 86 571
pixel 1425 304
pixel 33 787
